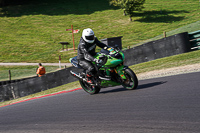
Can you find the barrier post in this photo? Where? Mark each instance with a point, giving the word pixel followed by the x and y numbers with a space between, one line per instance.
pixel 9 75
pixel 59 61
pixel 164 33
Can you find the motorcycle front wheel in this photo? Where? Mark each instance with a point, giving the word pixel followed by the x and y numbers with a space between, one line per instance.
pixel 88 88
pixel 131 81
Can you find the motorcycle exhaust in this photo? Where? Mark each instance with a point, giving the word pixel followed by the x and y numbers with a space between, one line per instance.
pixel 77 75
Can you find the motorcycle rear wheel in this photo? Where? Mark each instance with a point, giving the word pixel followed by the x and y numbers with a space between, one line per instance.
pixel 131 81
pixel 88 88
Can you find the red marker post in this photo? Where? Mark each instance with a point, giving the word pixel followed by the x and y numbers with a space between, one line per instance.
pixel 73 31
pixel 73 37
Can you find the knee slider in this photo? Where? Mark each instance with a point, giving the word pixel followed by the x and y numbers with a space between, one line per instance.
pixel 91 69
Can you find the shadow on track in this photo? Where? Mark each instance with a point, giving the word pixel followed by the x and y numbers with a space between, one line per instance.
pixel 143 86
pixel 148 85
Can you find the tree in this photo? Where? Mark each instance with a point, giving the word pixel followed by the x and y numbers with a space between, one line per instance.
pixel 129 6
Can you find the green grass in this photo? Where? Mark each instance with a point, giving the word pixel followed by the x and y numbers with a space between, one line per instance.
pixel 31 32
pixel 18 72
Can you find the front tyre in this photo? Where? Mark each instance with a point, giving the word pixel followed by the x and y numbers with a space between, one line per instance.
pixel 88 88
pixel 131 81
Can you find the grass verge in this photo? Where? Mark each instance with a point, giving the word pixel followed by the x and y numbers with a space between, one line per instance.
pixel 18 72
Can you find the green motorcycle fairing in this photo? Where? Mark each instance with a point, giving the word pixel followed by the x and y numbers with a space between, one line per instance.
pixel 114 63
pixel 120 71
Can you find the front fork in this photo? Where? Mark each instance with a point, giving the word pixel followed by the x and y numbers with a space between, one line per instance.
pixel 120 70
pixel 118 76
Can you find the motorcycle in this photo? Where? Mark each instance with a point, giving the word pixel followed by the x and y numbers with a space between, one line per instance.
pixel 110 72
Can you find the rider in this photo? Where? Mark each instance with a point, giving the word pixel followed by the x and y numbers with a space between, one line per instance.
pixel 86 51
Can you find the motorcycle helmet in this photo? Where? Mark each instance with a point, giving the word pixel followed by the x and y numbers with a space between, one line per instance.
pixel 88 35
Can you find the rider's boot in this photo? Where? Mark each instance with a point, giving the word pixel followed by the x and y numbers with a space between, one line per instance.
pixel 89 79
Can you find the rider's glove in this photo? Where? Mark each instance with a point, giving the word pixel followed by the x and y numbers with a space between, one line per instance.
pixel 98 61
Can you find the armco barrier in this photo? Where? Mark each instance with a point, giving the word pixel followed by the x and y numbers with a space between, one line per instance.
pixel 6 92
pixel 24 87
pixel 2 95
pixel 168 46
pixel 52 80
pixel 40 84
pixel 64 75
pixel 172 45
pixel 33 86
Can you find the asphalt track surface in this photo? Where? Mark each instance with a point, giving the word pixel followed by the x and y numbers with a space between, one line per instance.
pixel 161 105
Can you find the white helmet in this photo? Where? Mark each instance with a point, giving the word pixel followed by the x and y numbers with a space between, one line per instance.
pixel 88 35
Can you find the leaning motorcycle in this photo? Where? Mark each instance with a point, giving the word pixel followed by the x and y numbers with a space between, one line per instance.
pixel 111 72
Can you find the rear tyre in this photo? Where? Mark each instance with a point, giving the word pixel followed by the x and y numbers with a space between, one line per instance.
pixel 88 88
pixel 131 81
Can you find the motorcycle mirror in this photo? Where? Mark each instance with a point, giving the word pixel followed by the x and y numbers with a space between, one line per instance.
pixel 116 47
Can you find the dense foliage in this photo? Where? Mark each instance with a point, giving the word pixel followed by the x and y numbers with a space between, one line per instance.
pixel 129 6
